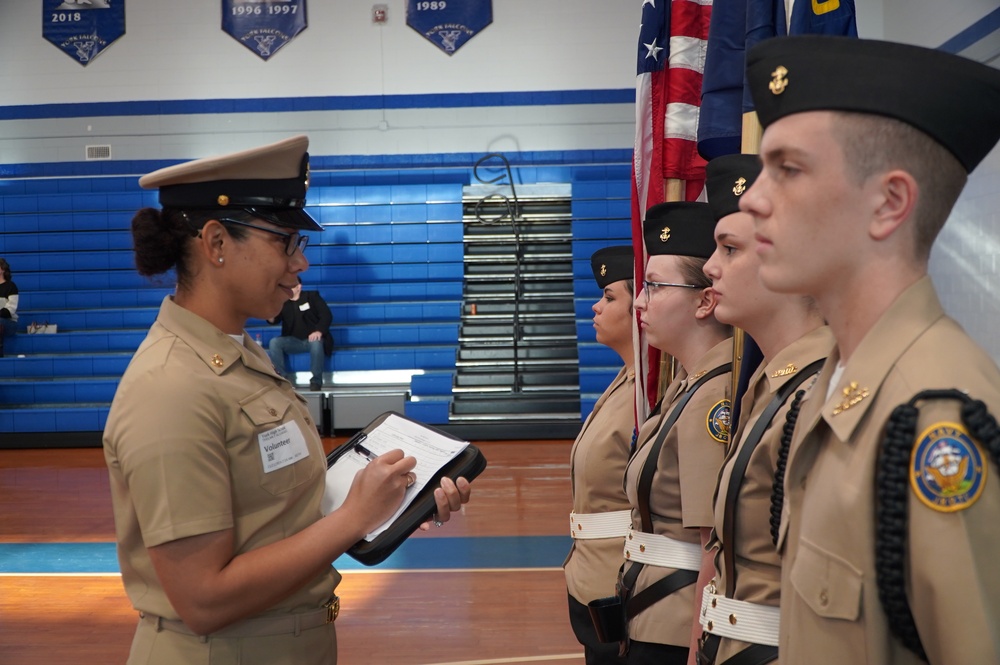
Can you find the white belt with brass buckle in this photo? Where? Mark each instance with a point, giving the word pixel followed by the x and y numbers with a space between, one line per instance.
pixel 657 550
pixel 738 619
pixel 587 526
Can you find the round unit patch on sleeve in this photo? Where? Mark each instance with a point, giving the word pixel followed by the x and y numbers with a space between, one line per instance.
pixel 946 468
pixel 718 421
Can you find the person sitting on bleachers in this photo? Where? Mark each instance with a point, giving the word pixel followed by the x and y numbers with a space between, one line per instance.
pixel 8 304
pixel 305 326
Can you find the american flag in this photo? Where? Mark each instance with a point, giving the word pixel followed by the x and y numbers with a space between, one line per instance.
pixel 671 57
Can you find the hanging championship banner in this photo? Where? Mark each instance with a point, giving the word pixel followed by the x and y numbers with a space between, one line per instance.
pixel 263 26
pixel 82 29
pixel 449 23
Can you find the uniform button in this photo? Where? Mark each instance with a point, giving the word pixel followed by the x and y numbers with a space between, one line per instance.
pixel 628 555
pixel 642 548
pixel 714 602
pixel 217 360
pixel 308 422
pixel 579 527
pixel 824 599
pixel 732 619
pixel 710 626
pixel 272 412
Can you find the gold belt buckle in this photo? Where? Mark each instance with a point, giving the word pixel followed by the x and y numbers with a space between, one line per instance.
pixel 332 608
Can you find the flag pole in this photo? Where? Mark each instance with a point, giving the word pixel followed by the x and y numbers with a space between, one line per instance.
pixel 749 145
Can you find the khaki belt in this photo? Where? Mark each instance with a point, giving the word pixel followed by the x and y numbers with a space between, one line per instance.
pixel 612 524
pixel 738 619
pixel 289 624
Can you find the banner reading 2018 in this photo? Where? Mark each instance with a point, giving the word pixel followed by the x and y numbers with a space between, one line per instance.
pixel 82 29
pixel 449 23
pixel 263 26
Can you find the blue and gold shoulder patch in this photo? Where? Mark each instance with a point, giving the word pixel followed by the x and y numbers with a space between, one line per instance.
pixel 718 421
pixel 946 468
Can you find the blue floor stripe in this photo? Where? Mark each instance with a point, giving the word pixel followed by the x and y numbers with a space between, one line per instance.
pixel 416 553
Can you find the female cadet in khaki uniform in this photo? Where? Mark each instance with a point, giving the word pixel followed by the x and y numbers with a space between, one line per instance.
pixel 216 469
pixel 889 534
pixel 601 511
pixel 739 610
pixel 671 477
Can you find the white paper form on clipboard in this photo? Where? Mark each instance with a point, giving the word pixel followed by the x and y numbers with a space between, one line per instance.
pixel 431 449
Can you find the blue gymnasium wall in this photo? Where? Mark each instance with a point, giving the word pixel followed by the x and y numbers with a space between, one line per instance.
pixel 389 262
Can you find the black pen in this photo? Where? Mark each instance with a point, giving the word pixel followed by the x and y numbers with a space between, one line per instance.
pixel 361 450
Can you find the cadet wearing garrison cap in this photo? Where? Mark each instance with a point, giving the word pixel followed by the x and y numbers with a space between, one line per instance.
pixel 671 476
pixel 888 534
pixel 601 512
pixel 739 609
pixel 217 471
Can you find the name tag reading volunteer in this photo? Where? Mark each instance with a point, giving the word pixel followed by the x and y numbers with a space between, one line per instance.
pixel 282 446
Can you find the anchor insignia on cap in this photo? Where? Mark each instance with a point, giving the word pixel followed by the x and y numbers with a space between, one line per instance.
pixel 665 234
pixel 778 81
pixel 740 186
pixel 604 269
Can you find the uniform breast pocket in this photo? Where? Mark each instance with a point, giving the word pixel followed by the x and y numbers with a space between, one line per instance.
pixel 283 447
pixel 830 585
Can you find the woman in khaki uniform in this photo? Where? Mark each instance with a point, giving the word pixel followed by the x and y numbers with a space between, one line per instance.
pixel 888 532
pixel 601 511
pixel 739 610
pixel 216 469
pixel 671 477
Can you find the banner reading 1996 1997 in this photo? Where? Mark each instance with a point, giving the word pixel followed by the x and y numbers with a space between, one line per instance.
pixel 82 29
pixel 263 26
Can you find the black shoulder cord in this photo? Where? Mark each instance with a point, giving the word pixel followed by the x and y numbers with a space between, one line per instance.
pixel 778 488
pixel 891 482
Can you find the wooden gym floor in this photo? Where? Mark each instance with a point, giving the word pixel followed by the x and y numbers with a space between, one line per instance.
pixel 485 589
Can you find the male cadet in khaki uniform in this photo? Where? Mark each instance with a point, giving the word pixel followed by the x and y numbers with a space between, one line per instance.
pixel 739 611
pixel 889 534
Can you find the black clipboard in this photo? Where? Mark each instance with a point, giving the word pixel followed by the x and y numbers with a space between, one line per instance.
pixel 467 464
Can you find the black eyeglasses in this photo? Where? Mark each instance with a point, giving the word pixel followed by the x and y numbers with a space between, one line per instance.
pixel 293 240
pixel 647 287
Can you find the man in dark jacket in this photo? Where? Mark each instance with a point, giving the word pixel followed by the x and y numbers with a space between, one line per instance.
pixel 305 326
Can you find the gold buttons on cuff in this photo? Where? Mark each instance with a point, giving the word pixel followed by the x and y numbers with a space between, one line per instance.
pixel 732 619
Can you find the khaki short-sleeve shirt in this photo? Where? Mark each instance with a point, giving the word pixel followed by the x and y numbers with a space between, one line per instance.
pixel 830 609
pixel 757 565
pixel 597 470
pixel 683 485
pixel 187 443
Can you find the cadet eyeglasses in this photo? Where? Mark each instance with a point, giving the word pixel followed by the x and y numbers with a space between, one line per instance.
pixel 648 287
pixel 293 240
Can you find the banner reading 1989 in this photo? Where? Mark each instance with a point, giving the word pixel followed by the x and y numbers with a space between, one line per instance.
pixel 263 26
pixel 449 24
pixel 82 29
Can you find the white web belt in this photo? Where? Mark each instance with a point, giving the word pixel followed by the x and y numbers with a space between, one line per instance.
pixel 737 619
pixel 588 526
pixel 656 550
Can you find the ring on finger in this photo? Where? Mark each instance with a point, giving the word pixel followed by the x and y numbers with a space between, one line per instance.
pixel 410 478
